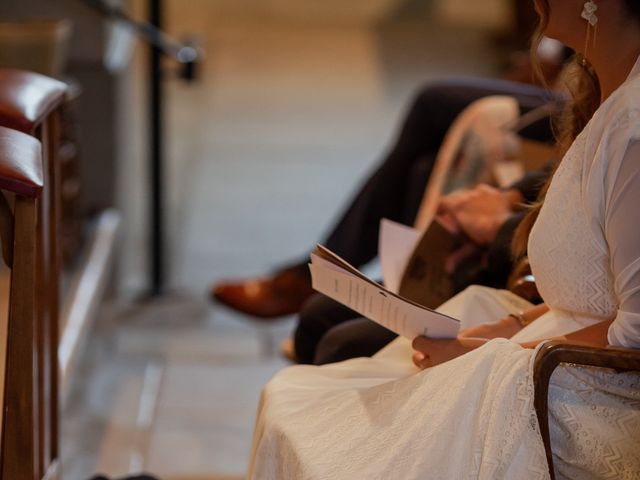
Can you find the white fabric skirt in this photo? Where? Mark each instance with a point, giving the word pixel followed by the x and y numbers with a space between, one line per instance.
pixel 382 418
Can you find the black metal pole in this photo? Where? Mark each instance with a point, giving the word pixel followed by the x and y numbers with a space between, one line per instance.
pixel 156 231
pixel 187 55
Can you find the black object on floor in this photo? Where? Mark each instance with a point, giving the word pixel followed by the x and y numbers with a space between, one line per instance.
pixel 135 477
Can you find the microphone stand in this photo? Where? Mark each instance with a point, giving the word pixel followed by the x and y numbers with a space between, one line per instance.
pixel 188 57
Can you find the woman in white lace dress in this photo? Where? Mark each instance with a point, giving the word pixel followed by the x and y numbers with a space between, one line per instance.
pixel 469 412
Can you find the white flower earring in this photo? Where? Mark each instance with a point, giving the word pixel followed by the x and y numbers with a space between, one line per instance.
pixel 589 14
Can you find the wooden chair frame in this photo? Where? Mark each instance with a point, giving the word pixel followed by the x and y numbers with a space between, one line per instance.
pixel 21 173
pixel 554 353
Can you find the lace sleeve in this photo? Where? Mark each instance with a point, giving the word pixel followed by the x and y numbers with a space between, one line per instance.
pixel 622 232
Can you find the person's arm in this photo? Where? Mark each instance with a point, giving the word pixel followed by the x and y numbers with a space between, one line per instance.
pixel 623 241
pixel 506 327
pixel 594 335
pixel 430 352
pixel 621 232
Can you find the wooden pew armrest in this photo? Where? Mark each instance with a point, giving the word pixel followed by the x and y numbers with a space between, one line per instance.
pixel 554 353
pixel 21 173
pixel 27 98
pixel 21 170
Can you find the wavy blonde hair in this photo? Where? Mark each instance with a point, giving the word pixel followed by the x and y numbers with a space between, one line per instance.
pixel 581 84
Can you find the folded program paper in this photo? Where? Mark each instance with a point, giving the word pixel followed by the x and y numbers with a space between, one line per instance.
pixel 342 282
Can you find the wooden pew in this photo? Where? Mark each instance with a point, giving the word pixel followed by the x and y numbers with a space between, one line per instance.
pixel 30 103
pixel 22 175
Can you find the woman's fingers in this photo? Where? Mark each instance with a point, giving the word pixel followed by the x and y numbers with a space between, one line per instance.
pixel 417 358
pixel 421 360
pixel 421 357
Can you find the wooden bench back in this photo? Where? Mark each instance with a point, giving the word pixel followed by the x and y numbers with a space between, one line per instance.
pixel 30 103
pixel 21 174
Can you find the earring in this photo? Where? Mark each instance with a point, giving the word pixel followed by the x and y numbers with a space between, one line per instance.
pixel 589 14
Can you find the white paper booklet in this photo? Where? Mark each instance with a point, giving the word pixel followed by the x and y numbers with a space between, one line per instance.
pixel 396 245
pixel 342 282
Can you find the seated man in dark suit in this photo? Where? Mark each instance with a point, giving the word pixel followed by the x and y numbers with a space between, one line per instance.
pixel 393 191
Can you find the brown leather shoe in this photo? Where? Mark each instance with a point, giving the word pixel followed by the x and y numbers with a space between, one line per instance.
pixel 270 297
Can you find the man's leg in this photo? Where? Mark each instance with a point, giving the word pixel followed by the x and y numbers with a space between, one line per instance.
pixel 359 337
pixel 318 315
pixel 385 194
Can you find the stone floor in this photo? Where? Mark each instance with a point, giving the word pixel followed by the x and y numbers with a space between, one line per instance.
pixel 289 115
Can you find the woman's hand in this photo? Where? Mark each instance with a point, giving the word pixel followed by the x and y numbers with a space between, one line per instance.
pixel 431 352
pixel 504 328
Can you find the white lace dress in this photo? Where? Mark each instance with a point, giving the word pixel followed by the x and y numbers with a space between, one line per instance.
pixel 473 417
